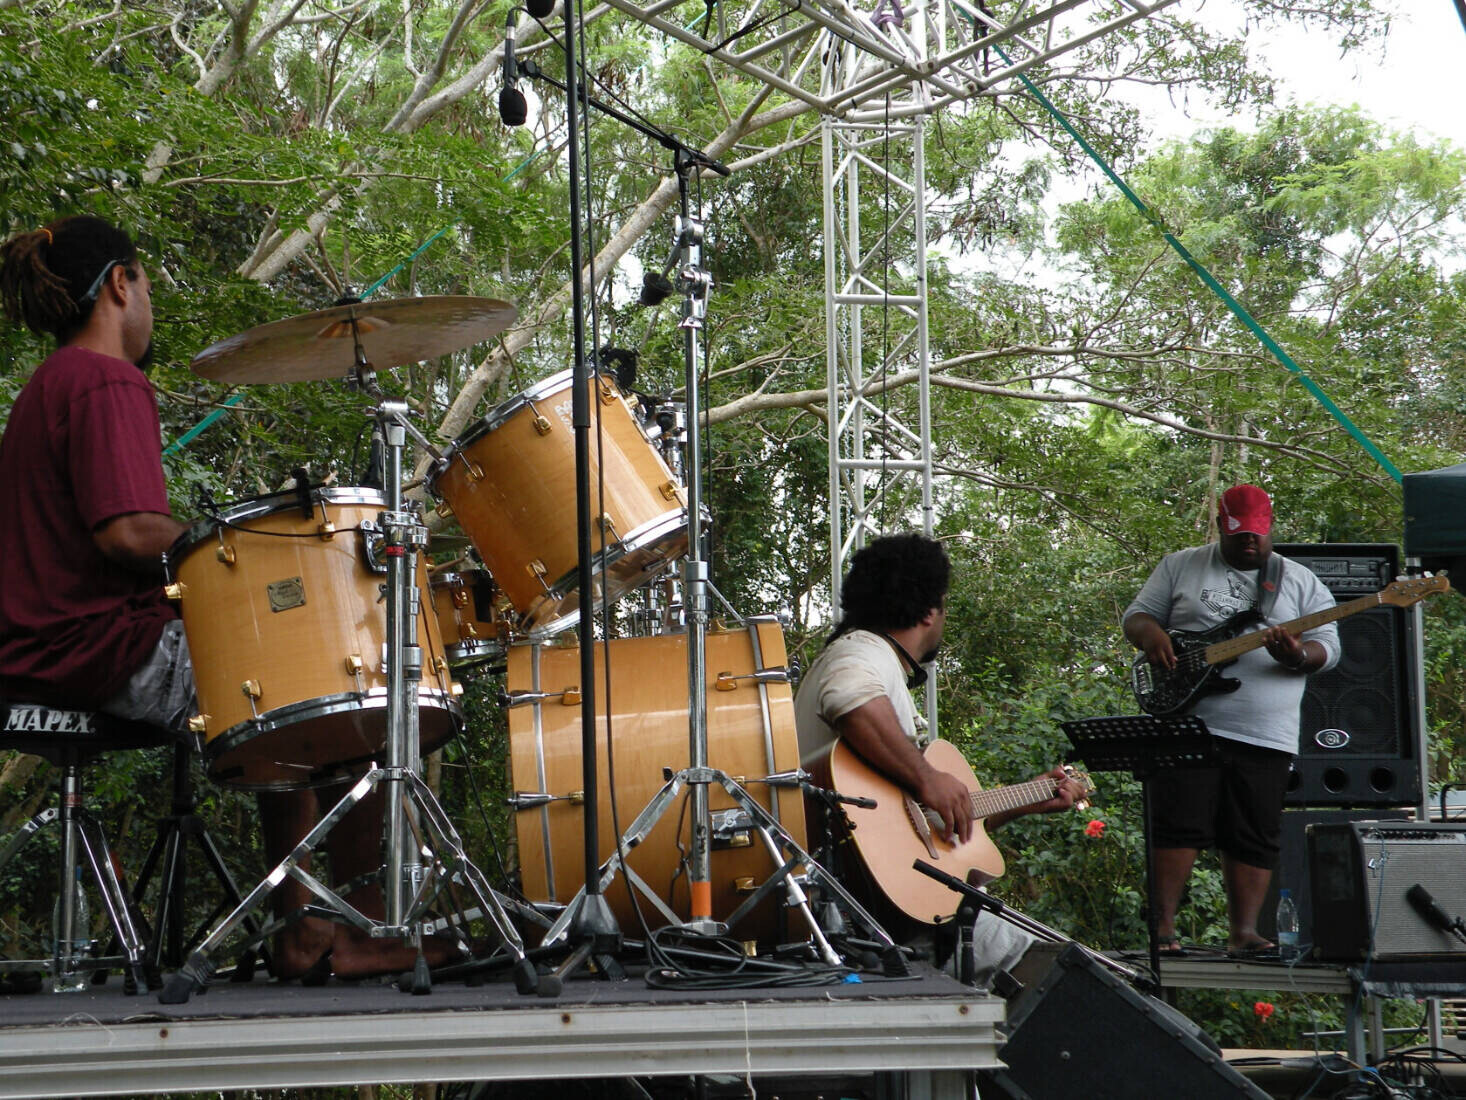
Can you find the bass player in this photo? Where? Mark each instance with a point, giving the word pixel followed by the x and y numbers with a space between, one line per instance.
pixel 1235 804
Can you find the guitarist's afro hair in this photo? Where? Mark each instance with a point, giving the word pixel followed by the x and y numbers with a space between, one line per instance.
pixel 893 583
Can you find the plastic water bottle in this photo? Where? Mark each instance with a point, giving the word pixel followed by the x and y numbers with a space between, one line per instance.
pixel 1287 926
pixel 72 945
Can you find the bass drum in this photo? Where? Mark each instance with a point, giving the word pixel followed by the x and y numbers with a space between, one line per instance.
pixel 510 481
pixel 750 717
pixel 287 631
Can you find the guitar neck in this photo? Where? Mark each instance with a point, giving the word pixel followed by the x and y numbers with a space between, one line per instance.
pixel 1232 648
pixel 999 799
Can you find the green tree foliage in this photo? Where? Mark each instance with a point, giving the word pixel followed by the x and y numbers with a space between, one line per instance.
pixel 272 156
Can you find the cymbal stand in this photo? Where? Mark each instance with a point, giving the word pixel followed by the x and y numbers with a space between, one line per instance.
pixel 408 887
pixel 794 866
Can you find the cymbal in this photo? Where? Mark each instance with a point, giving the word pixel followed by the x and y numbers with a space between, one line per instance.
pixel 319 345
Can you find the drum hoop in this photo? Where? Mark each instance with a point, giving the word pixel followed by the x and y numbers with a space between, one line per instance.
pixel 252 508
pixel 473 651
pixel 442 580
pixel 637 539
pixel 500 415
pixel 322 706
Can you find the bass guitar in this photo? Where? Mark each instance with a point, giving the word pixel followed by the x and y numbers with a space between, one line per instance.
pixel 1202 654
pixel 898 830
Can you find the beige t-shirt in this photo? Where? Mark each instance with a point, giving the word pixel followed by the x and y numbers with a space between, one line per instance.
pixel 852 670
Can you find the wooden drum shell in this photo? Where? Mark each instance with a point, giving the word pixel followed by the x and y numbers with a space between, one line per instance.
pixel 650 732
pixel 300 621
pixel 510 481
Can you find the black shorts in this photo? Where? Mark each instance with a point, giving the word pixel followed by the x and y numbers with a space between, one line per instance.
pixel 1234 805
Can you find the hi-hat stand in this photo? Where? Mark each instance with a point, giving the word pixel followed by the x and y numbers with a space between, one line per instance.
pixel 415 826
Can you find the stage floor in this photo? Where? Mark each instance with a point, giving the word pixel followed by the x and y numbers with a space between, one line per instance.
pixel 928 1029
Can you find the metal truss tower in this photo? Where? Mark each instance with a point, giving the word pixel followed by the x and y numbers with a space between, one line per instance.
pixel 876 71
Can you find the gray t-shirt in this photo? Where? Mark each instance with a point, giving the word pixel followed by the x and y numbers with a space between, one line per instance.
pixel 1196 590
pixel 855 668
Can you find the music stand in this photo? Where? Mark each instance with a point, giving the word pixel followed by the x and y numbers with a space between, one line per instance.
pixel 1142 745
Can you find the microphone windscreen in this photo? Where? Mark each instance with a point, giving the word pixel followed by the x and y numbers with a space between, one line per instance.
pixel 512 106
pixel 540 9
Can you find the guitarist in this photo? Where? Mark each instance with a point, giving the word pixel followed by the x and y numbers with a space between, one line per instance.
pixel 1236 804
pixel 857 690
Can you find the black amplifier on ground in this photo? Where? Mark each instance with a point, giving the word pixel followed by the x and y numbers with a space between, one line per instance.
pixel 1371 881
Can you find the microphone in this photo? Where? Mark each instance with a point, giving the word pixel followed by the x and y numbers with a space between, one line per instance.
pixel 513 109
pixel 1423 904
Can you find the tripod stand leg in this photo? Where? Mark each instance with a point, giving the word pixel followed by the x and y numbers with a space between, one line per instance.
pixel 814 872
pixel 196 972
pixel 450 854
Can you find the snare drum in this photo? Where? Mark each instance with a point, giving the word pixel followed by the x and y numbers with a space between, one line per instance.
pixel 287 632
pixel 750 718
pixel 510 480
pixel 469 618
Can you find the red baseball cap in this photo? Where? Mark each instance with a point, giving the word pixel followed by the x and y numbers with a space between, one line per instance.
pixel 1245 508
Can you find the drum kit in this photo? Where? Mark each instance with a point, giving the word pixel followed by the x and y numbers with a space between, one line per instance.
pixel 304 680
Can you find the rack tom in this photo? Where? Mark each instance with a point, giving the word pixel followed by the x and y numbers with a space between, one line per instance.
pixel 510 481
pixel 287 631
pixel 470 618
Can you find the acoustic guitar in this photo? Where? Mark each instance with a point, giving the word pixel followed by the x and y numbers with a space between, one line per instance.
pixel 898 831
pixel 1202 654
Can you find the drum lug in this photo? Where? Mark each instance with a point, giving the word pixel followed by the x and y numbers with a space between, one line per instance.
pixel 668 489
pixel 541 425
pixel 609 393
pixel 354 667
pixel 199 723
pixel 326 530
pixel 537 570
pixel 251 690
pixel 224 555
pixel 174 591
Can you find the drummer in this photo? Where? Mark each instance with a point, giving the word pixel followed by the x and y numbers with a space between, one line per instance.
pixel 83 620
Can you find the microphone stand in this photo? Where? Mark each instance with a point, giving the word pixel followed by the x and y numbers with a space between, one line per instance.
pixel 981 899
pixel 587 919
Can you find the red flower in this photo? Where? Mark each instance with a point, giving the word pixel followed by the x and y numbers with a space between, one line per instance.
pixel 1095 828
pixel 1262 1010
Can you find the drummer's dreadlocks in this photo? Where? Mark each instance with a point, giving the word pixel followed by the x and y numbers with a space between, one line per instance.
pixel 50 277
pixel 894 581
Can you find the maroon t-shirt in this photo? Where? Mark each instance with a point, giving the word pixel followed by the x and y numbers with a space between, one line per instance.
pixel 81 447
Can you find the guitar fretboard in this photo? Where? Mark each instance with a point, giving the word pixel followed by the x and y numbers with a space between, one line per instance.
pixel 987 803
pixel 1229 650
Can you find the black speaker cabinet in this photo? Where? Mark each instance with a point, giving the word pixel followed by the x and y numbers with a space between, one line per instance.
pixel 1358 734
pixel 1361 873
pixel 1081 1031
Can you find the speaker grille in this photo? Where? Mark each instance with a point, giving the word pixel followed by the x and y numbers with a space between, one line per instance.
pixel 1357 727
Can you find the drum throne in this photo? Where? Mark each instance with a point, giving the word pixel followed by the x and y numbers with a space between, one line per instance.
pixel 70 739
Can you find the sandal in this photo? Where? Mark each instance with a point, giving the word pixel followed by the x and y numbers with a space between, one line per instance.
pixel 1170 946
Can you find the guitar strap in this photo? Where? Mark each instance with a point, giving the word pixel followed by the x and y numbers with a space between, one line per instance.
pixel 1269 583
